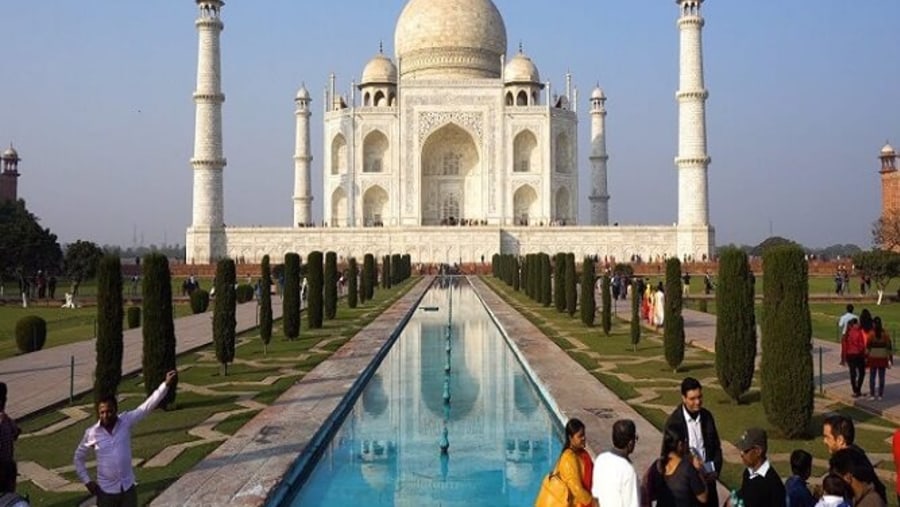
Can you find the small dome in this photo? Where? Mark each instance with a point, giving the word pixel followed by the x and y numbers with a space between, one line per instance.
pixel 10 154
pixel 379 70
pixel 887 150
pixel 598 93
pixel 520 69
pixel 303 93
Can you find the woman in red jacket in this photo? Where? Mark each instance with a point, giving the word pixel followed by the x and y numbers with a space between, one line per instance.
pixel 853 354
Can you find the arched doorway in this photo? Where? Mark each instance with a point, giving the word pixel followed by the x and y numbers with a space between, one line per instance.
pixel 525 205
pixel 563 207
pixel 450 177
pixel 525 153
pixel 375 205
pixel 339 209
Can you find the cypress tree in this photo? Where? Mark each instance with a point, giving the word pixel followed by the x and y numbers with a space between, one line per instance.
pixel 386 272
pixel 396 269
pixel 407 266
pixel 673 322
pixel 331 279
pixel 786 370
pixel 546 284
pixel 569 283
pixel 495 265
pixel 315 276
pixel 224 308
pixel 265 304
pixel 352 285
pixel 635 317
pixel 108 370
pixel 290 320
pixel 588 303
pixel 159 328
pixel 606 298
pixel 735 324
pixel 514 265
pixel 370 275
pixel 559 282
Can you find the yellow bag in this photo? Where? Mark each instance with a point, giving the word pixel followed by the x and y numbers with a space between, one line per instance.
pixel 553 493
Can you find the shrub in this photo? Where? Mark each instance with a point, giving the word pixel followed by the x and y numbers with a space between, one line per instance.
pixel 588 303
pixel 569 283
pixel 244 293
pixel 546 284
pixel 735 324
pixel 159 328
pixel 559 282
pixel 370 276
pixel 133 316
pixel 786 369
pixel 314 310
pixel 330 289
pixel 673 322
pixel 606 298
pixel 386 278
pixel 265 304
pixel 352 285
pixel 31 333
pixel 635 317
pixel 514 266
pixel 199 301
pixel 109 344
pixel 291 298
pixel 224 318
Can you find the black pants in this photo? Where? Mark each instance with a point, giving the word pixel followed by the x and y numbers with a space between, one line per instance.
pixel 127 498
pixel 857 366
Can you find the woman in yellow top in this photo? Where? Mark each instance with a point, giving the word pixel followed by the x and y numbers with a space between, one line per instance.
pixel 564 487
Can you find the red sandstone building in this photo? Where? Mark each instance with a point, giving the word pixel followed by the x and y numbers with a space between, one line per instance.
pixel 9 175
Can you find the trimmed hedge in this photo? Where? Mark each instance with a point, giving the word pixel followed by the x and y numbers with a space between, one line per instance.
pixel 244 293
pixel 224 310
pixel 673 322
pixel 330 294
pixel 199 301
pixel 31 333
pixel 265 303
pixel 588 302
pixel 315 277
pixel 159 327
pixel 109 344
pixel 570 285
pixel 559 282
pixel 291 298
pixel 735 324
pixel 133 316
pixel 635 316
pixel 606 301
pixel 352 284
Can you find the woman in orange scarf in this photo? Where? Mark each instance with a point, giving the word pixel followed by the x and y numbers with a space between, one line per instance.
pixel 565 486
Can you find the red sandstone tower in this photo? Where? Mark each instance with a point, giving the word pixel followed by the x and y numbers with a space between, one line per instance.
pixel 9 175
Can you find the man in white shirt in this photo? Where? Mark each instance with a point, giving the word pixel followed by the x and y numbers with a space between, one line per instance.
pixel 845 319
pixel 110 440
pixel 615 483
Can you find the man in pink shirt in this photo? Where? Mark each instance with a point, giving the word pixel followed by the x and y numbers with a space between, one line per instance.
pixel 110 439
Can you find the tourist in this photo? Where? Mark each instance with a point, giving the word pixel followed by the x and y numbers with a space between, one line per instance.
pixel 879 357
pixel 659 306
pixel 676 478
pixel 615 484
pixel 565 482
pixel 686 284
pixel 707 283
pixel 110 439
pixel 797 488
pixel 845 319
pixel 703 438
pixel 9 431
pixel 838 433
pixel 8 496
pixel 836 493
pixel 853 466
pixel 761 486
pixel 853 354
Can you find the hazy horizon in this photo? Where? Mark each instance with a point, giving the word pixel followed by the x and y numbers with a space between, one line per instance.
pixel 96 97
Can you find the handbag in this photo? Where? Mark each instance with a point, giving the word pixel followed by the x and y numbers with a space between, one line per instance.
pixel 554 492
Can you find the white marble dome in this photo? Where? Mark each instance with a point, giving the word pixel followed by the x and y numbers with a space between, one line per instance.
pixel 10 154
pixel 379 70
pixel 521 69
pixel 455 39
pixel 302 93
pixel 598 93
pixel 887 149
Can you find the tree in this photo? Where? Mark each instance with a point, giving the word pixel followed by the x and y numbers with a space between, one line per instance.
pixel 635 318
pixel 265 304
pixel 109 345
pixel 880 265
pixel 81 261
pixel 224 309
pixel 25 247
pixel 370 276
pixel 606 298
pixel 769 242
pixel 290 321
pixel 546 284
pixel 159 328
pixel 352 286
pixel 514 266
pixel 673 322
pixel 559 281
pixel 330 290
pixel 588 302
pixel 386 277
pixel 735 324
pixel 786 369
pixel 886 233
pixel 315 275
pixel 570 283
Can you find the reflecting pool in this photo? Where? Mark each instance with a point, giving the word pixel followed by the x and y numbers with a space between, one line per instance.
pixel 448 418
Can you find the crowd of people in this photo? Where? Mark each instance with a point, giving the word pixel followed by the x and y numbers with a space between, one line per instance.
pixel 690 459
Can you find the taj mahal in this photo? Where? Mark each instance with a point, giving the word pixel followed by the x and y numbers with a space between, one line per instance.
pixel 451 151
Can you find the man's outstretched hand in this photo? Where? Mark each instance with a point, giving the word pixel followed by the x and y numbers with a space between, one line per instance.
pixel 171 377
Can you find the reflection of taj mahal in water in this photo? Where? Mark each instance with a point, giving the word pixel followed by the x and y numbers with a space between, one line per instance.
pixel 484 408
pixel 450 151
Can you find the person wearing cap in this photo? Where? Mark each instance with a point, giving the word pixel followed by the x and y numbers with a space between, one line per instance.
pixel 761 486
pixel 703 438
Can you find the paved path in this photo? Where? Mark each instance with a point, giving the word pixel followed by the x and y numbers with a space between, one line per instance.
pixel 42 379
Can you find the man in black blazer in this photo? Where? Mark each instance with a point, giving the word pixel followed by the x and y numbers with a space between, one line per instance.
pixel 703 438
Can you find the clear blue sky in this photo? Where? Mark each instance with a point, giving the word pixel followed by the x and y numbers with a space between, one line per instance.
pixel 96 96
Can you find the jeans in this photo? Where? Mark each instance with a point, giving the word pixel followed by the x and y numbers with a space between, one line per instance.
pixel 857 372
pixel 880 372
pixel 127 498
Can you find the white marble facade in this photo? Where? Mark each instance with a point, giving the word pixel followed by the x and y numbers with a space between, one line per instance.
pixel 448 133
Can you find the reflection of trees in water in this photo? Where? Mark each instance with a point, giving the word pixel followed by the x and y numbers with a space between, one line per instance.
pixel 464 386
pixel 375 401
pixel 523 394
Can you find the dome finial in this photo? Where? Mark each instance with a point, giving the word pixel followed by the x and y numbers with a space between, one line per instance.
pixel 521 48
pixel 381 47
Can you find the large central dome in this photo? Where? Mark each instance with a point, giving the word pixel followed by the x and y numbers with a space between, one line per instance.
pixel 455 39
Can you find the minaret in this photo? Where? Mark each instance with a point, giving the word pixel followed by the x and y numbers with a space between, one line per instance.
pixel 692 160
pixel 9 174
pixel 599 196
pixel 890 182
pixel 208 162
pixel 302 160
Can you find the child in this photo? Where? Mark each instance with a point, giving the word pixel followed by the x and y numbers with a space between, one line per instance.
pixel 836 492
pixel 798 493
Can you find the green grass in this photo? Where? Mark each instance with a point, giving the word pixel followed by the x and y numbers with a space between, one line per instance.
pixel 626 370
pixel 265 376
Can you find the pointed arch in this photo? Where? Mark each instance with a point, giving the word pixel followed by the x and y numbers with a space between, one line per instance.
pixel 375 206
pixel 367 98
pixel 522 98
pixel 563 205
pixel 525 205
pixel 563 153
pixel 340 211
pixel 451 175
pixel 509 99
pixel 526 157
pixel 339 154
pixel 376 152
